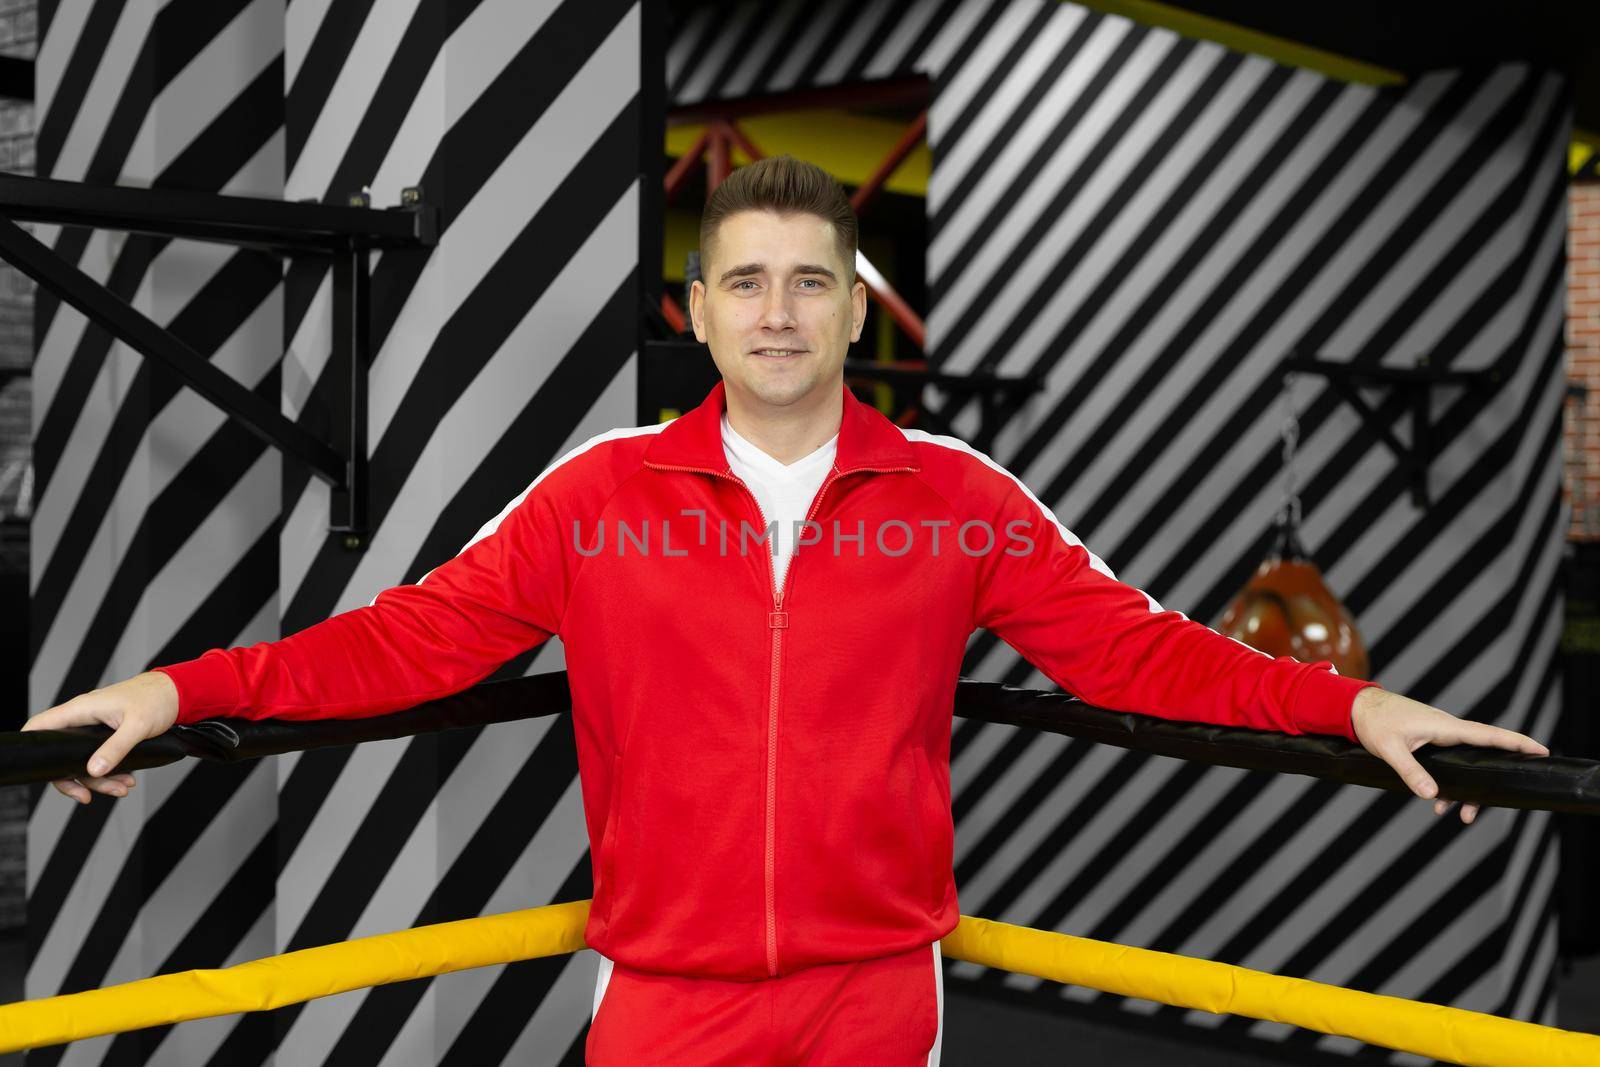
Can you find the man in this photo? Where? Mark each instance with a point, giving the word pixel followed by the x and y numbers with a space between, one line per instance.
pixel 763 735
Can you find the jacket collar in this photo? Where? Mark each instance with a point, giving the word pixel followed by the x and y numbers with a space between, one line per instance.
pixel 867 438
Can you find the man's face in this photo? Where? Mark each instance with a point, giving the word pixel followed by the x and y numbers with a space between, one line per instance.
pixel 777 308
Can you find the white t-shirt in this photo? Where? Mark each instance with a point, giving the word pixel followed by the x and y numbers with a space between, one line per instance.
pixel 785 493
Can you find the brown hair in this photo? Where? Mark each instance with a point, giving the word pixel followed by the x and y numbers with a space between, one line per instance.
pixel 787 186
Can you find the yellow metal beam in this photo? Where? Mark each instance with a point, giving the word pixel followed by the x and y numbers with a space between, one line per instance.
pixel 846 145
pixel 1291 53
pixel 1583 149
pixel 1242 39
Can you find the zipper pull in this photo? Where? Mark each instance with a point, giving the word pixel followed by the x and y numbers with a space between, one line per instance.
pixel 778 620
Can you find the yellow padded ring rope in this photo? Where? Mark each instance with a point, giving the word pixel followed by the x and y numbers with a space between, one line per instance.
pixel 1454 1035
pixel 295 976
pixel 1451 1034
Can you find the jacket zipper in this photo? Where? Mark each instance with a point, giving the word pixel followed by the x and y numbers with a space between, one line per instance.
pixel 777 622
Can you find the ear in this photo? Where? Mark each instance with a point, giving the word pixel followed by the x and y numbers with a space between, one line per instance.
pixel 858 309
pixel 697 308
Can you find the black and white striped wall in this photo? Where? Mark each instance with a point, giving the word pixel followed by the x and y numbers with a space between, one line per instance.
pixel 155 520
pixel 164 530
pixel 1153 223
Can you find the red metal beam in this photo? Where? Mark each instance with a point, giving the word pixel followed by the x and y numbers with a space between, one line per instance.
pixel 897 155
pixel 878 286
pixel 687 162
pixel 673 313
pixel 717 163
pixel 900 312
pixel 747 146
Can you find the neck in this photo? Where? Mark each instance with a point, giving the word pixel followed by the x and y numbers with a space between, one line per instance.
pixel 793 431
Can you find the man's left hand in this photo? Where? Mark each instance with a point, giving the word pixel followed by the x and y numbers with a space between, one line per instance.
pixel 1392 727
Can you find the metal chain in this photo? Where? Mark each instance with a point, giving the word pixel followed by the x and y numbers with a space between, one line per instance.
pixel 1289 508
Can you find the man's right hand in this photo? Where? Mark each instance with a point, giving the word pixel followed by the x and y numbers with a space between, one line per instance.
pixel 145 705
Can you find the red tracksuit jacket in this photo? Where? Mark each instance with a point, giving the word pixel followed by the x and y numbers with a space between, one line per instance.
pixel 766 777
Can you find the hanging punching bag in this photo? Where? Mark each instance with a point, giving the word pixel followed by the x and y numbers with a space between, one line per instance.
pixel 1286 609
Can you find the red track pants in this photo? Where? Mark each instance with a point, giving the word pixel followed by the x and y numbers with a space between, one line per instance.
pixel 888 1012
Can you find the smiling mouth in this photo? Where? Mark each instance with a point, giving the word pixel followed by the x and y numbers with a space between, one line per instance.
pixel 777 352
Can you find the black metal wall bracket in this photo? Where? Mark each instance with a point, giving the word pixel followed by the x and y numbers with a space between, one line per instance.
pixel 345 233
pixel 1416 382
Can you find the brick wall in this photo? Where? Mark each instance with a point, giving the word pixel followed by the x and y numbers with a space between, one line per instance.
pixel 18 36
pixel 1583 359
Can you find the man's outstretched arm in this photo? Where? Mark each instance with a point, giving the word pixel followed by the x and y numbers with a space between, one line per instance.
pixel 1044 593
pixel 503 593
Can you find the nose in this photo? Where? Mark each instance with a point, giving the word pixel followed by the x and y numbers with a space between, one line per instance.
pixel 777 313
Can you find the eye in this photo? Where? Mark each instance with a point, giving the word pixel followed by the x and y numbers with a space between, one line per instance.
pixel 814 281
pixel 743 282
